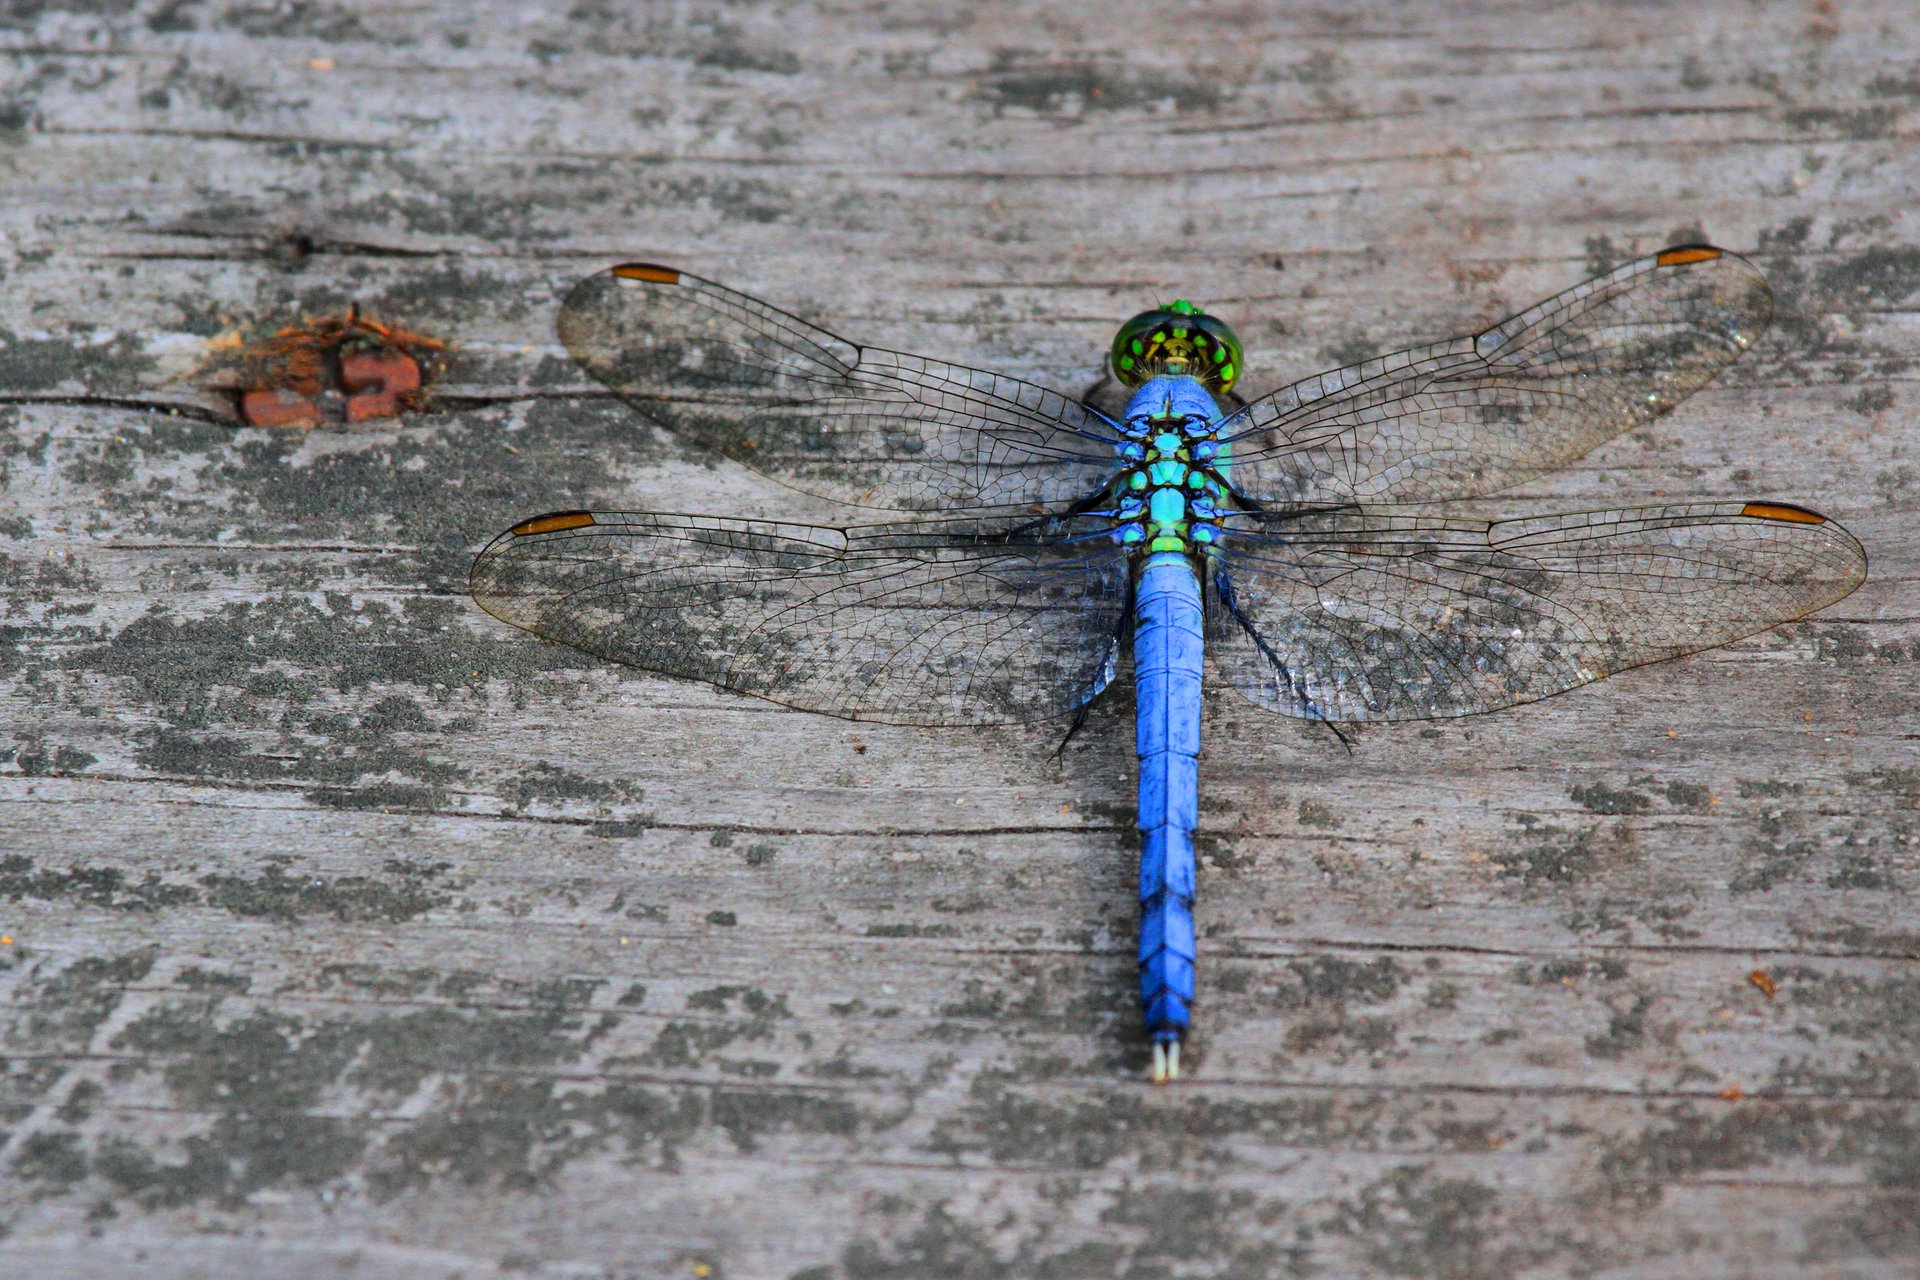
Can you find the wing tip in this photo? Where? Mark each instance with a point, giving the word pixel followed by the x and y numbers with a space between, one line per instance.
pixel 645 273
pixel 554 523
pixel 1684 255
pixel 1784 512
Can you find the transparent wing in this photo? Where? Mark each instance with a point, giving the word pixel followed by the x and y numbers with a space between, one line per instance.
pixel 912 623
pixel 1473 415
pixel 1346 616
pixel 861 426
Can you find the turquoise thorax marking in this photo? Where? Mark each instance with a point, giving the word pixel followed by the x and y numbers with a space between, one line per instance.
pixel 1163 500
pixel 1167 507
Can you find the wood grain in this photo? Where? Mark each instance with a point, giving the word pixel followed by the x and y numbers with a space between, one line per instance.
pixel 352 933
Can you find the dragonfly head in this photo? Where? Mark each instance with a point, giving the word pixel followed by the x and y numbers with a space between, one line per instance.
pixel 1177 339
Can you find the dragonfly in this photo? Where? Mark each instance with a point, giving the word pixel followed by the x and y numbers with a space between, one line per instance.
pixel 1003 548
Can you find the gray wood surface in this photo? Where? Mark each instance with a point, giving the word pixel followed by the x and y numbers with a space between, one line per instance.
pixel 352 933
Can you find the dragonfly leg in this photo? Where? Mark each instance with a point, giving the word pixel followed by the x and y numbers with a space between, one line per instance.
pixel 1079 719
pixel 1081 712
pixel 1310 710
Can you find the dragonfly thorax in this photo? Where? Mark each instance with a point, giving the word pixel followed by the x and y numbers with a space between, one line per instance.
pixel 1170 491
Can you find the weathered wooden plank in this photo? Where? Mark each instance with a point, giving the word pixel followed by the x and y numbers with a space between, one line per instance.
pixel 353 934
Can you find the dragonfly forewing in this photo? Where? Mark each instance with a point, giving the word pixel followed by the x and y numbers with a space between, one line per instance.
pixel 1477 414
pixel 861 426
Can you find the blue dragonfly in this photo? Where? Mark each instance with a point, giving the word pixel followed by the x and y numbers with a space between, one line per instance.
pixel 1006 545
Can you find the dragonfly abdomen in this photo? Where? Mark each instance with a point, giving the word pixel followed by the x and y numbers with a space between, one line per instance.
pixel 1167 648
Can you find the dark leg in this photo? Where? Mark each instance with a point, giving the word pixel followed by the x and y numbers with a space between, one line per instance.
pixel 1079 718
pixel 1224 587
pixel 1080 714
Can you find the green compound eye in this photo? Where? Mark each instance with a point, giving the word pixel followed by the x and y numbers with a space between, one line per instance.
pixel 1178 338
